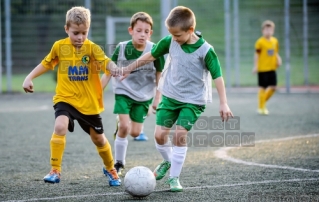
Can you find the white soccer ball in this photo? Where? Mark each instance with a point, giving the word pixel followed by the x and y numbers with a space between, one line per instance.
pixel 139 181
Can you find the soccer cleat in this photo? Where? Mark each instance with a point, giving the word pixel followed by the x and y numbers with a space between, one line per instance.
pixel 114 179
pixel 263 111
pixel 161 170
pixel 119 167
pixel 117 126
pixel 174 184
pixel 53 176
pixel 141 137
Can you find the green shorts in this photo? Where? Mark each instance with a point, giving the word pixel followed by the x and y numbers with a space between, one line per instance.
pixel 170 111
pixel 126 105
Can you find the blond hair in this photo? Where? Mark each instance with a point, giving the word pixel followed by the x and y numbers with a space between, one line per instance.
pixel 142 16
pixel 78 15
pixel 182 17
pixel 268 23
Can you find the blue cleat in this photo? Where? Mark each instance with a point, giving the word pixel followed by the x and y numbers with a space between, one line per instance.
pixel 114 179
pixel 53 176
pixel 141 137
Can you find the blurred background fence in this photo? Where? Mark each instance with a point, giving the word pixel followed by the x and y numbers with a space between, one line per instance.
pixel 36 24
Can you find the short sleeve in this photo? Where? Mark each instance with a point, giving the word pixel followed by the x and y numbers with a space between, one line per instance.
pixel 159 64
pixel 52 59
pixel 258 46
pixel 213 64
pixel 115 55
pixel 162 47
pixel 277 46
pixel 100 59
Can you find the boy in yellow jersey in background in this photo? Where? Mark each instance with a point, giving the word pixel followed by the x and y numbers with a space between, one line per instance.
pixel 78 91
pixel 266 62
pixel 134 95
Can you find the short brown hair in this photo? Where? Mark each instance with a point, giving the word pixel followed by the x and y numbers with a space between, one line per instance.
pixel 267 23
pixel 142 16
pixel 182 17
pixel 78 15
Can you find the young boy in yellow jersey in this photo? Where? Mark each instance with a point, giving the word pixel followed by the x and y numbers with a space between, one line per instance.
pixel 78 91
pixel 266 62
pixel 186 88
pixel 134 95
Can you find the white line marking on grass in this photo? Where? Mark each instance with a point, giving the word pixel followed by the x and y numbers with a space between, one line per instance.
pixel 186 188
pixel 222 154
pixel 27 109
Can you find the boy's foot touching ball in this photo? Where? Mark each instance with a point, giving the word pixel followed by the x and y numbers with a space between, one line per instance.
pixel 161 170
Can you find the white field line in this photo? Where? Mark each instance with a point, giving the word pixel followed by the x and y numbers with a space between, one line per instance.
pixel 186 188
pixel 222 154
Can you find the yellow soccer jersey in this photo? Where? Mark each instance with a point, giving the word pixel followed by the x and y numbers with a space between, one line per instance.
pixel 267 51
pixel 78 79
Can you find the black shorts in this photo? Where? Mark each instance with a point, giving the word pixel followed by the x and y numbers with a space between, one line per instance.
pixel 86 121
pixel 266 79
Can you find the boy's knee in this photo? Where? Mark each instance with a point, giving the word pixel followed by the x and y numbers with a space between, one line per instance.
pixel 135 133
pixel 274 88
pixel 98 139
pixel 60 128
pixel 124 127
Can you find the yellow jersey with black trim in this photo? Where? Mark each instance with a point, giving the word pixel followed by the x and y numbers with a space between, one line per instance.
pixel 78 79
pixel 267 51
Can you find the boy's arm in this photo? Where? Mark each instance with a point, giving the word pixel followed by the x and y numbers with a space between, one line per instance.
pixel 37 71
pixel 114 69
pixel 256 57
pixel 224 110
pixel 158 94
pixel 279 61
pixel 143 60
pixel 160 49
pixel 105 79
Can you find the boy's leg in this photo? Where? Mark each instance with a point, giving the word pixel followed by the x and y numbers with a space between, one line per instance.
pixel 58 141
pixel 138 114
pixel 269 92
pixel 104 149
pixel 187 118
pixel 122 108
pixel 164 147
pixel 261 100
pixel 136 129
pixel 262 83
pixel 272 83
pixel 166 115
pixel 121 142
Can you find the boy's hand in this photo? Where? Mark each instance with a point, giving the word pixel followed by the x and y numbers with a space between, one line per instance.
pixel 115 72
pixel 27 86
pixel 225 112
pixel 125 73
pixel 279 61
pixel 154 105
pixel 254 71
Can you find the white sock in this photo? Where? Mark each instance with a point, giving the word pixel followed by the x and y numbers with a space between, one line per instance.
pixel 120 145
pixel 165 150
pixel 178 158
